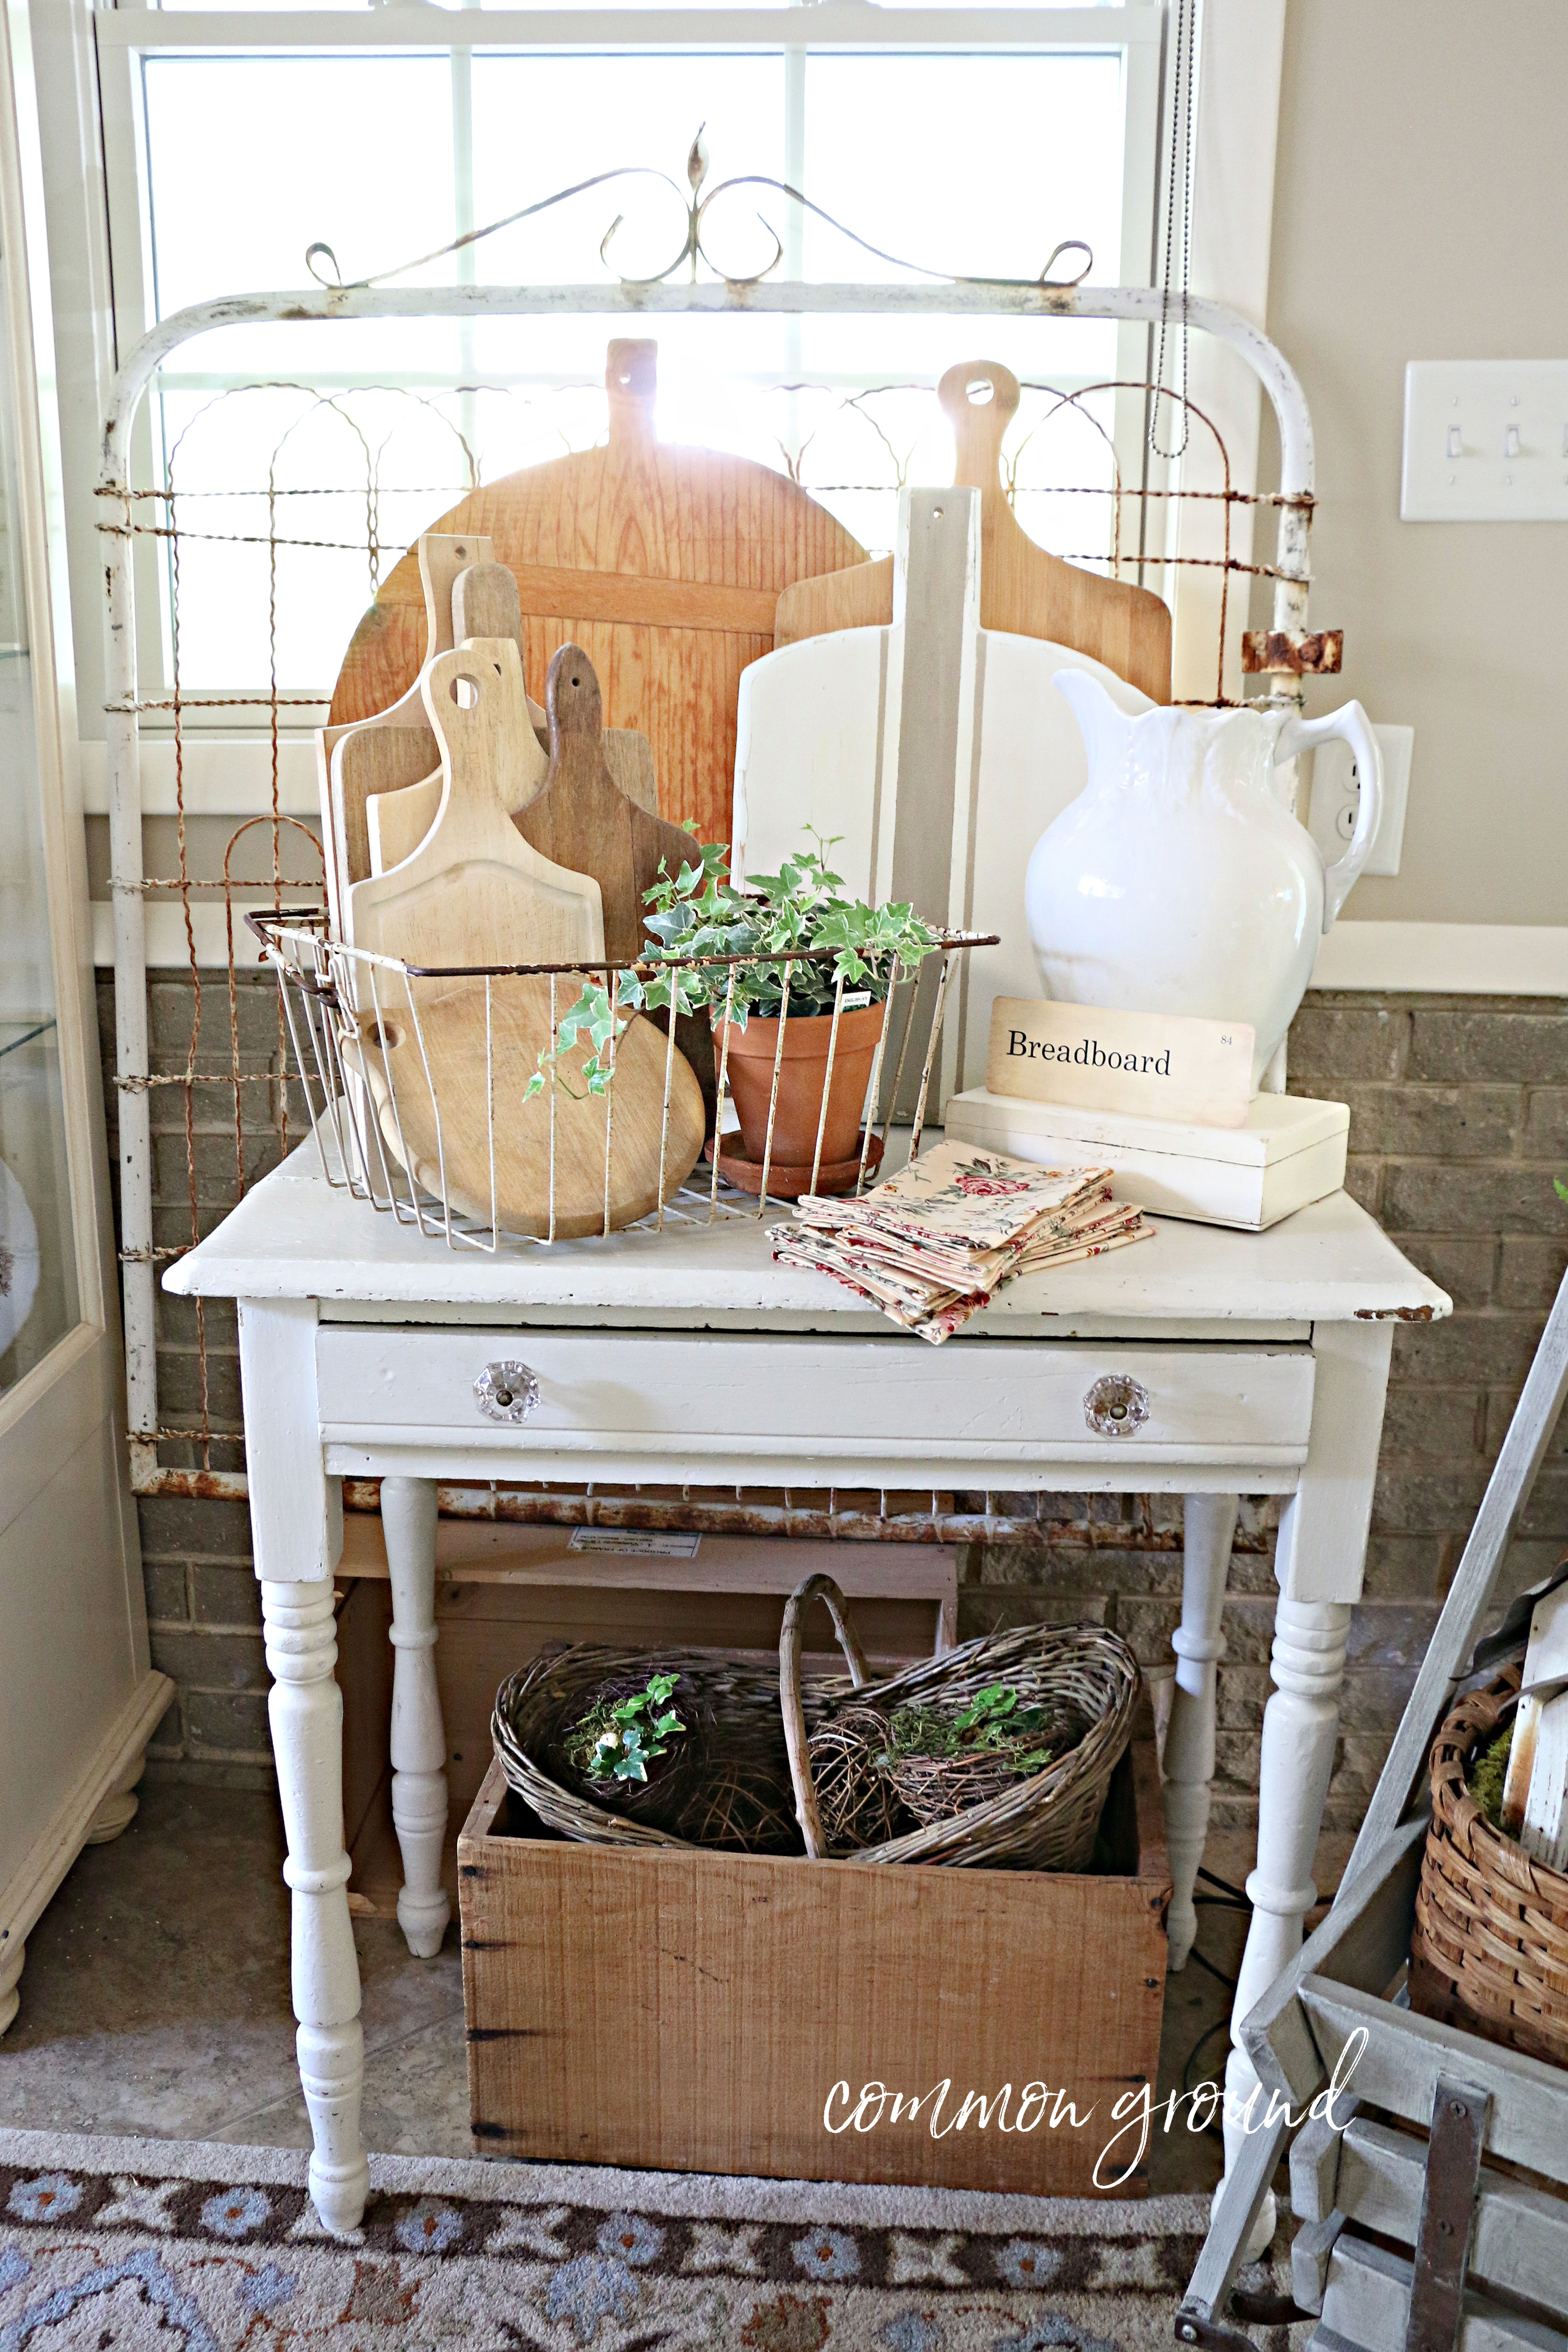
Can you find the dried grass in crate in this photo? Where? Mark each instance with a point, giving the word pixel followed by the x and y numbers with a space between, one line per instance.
pixel 935 1787
pixel 1489 1951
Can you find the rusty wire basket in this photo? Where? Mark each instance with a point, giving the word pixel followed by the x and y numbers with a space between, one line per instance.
pixel 422 1089
pixel 1489 1951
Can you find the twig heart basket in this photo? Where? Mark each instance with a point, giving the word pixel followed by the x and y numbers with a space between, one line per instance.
pixel 769 1743
pixel 1490 1949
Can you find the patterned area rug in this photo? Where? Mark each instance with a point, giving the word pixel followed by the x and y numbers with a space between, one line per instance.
pixel 167 2246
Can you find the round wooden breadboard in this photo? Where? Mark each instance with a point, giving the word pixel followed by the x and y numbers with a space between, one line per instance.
pixel 665 563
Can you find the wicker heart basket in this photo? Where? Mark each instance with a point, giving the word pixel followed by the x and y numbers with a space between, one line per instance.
pixel 1489 1951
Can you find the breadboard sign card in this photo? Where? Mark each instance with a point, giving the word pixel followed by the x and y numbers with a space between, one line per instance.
pixel 1154 1065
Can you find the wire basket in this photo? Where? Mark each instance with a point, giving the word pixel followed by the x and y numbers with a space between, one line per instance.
pixel 430 1087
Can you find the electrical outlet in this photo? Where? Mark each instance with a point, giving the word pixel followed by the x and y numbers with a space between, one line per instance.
pixel 1336 798
pixel 1485 441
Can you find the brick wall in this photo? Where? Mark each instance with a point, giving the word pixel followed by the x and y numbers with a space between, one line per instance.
pixel 1458 1122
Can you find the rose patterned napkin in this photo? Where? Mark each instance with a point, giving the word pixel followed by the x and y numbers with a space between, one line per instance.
pixel 932 1244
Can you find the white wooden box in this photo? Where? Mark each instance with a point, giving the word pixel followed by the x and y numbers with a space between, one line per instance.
pixel 1292 1150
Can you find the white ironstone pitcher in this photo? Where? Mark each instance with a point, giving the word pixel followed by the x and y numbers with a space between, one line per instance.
pixel 1178 881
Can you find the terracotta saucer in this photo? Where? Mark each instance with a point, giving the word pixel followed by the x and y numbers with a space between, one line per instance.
pixel 787 1183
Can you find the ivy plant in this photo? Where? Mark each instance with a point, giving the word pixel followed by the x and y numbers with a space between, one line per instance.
pixel 699 912
pixel 618 1740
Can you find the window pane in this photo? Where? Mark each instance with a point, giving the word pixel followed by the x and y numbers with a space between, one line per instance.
pixel 250 160
pixel 972 163
pixel 975 166
pixel 38 1300
pixel 589 114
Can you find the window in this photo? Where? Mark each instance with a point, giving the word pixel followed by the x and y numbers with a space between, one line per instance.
pixel 965 139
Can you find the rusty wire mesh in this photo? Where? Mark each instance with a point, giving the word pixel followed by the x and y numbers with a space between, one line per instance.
pixel 221 520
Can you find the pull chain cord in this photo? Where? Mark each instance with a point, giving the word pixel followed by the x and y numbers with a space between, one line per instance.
pixel 1182 93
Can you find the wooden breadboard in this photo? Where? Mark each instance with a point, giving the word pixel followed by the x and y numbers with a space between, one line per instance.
pixel 666 564
pixel 1023 589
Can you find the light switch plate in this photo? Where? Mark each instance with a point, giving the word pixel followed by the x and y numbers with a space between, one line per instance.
pixel 1336 797
pixel 1485 441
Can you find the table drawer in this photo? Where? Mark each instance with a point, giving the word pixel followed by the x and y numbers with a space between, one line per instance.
pixel 791 1400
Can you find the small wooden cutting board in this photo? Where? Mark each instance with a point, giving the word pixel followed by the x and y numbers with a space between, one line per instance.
pixel 584 819
pixel 393 747
pixel 484 603
pixel 475 892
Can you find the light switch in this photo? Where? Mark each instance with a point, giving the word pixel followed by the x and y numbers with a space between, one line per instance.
pixel 1336 798
pixel 1485 441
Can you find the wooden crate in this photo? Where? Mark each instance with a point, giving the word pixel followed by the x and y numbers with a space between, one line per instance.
pixel 693 2011
pixel 502 1592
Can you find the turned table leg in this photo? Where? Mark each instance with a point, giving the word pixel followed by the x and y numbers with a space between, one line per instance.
pixel 306 1709
pixel 418 1735
pixel 1209 1529
pixel 1300 1725
pixel 1319 1563
pixel 1200 1645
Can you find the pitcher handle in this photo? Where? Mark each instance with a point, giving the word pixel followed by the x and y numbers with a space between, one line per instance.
pixel 1351 725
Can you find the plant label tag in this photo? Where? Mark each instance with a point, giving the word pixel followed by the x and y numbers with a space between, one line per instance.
pixel 635 1543
pixel 1154 1065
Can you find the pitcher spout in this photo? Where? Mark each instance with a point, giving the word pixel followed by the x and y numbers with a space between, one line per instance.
pixel 1105 725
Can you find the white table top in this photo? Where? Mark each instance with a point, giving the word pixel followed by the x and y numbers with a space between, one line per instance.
pixel 298 1236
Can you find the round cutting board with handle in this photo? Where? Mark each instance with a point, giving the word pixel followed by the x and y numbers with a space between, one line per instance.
pixel 435 1087
pixel 664 564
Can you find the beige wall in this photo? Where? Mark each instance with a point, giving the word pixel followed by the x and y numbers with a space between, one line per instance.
pixel 1421 212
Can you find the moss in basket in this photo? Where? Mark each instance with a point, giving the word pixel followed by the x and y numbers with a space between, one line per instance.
pixel 1487 1775
pixel 993 1724
pixel 618 1740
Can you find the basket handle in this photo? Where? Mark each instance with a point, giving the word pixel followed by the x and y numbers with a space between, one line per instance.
pixel 791 1642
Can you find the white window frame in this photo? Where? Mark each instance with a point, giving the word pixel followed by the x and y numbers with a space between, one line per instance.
pixel 125 37
pixel 83 63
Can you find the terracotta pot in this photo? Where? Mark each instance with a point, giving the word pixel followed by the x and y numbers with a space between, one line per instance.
pixel 801 1076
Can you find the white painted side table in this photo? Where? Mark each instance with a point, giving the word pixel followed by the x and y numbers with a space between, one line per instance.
pixel 1205 1363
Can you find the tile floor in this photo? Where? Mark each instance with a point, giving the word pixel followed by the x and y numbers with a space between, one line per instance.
pixel 155 1999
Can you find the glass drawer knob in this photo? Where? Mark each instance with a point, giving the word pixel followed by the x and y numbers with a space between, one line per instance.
pixel 507 1391
pixel 1115 1406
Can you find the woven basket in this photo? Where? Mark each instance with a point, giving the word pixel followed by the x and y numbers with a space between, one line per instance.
pixel 935 1787
pixel 735 1792
pixel 1489 1951
pixel 1046 1822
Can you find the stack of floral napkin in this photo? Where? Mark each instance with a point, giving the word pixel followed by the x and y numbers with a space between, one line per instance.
pixel 931 1245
